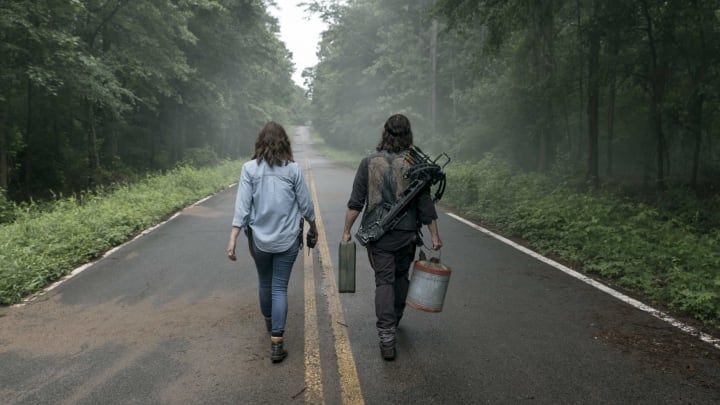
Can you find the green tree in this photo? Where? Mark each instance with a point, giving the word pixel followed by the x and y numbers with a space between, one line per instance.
pixel 93 90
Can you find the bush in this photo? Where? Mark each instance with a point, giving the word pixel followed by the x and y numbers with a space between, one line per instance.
pixel 7 209
pixel 200 157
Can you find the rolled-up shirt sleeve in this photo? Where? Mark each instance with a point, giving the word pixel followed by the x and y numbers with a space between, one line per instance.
pixel 358 197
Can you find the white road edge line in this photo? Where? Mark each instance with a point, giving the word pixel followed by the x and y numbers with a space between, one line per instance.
pixel 602 287
pixel 87 265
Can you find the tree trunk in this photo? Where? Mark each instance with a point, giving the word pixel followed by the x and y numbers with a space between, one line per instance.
pixel 27 162
pixel 612 93
pixel 114 145
pixel 593 172
pixel 657 86
pixel 4 146
pixel 695 124
pixel 695 119
pixel 697 99
pixel 656 125
pixel 454 119
pixel 614 45
pixel 433 89
pixel 546 26
pixel 178 133
pixel 580 83
pixel 92 148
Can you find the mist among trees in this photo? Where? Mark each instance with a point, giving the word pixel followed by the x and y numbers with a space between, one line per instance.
pixel 92 91
pixel 586 128
pixel 610 91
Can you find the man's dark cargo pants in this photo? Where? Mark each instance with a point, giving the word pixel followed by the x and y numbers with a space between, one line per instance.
pixel 391 282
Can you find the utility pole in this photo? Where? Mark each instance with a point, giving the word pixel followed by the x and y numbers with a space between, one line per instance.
pixel 433 62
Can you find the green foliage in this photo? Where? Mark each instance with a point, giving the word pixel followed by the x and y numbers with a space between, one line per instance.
pixel 43 245
pixel 560 97
pixel 373 62
pixel 200 157
pixel 299 111
pixel 88 87
pixel 7 209
pixel 664 251
pixel 582 82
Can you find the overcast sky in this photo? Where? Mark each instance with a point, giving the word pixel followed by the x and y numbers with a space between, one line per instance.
pixel 301 33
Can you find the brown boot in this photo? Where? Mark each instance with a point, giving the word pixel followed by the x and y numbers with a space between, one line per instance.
pixel 277 353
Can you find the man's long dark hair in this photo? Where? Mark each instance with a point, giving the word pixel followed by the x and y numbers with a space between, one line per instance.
pixel 273 145
pixel 397 135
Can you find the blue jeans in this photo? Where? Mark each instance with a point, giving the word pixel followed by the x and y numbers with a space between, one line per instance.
pixel 273 276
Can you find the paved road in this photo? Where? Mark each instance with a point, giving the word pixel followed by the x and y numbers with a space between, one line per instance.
pixel 167 319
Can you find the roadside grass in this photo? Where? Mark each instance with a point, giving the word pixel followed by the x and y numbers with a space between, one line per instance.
pixel 667 252
pixel 46 242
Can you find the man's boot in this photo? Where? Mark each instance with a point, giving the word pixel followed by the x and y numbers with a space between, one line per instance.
pixel 387 343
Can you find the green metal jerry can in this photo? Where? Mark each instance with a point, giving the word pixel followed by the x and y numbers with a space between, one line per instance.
pixel 346 267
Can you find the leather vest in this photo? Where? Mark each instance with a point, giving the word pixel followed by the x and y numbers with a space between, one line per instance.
pixel 386 182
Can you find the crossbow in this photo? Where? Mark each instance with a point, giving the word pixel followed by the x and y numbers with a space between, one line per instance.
pixel 423 172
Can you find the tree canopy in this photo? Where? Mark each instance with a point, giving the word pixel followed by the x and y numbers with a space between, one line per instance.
pixel 611 90
pixel 92 89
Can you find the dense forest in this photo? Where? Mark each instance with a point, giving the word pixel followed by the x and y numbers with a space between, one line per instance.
pixel 92 91
pixel 606 91
pixel 586 128
pixel 610 91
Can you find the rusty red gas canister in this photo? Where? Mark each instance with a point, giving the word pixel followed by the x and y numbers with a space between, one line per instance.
pixel 428 285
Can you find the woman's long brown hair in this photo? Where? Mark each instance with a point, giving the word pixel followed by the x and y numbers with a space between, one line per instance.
pixel 273 145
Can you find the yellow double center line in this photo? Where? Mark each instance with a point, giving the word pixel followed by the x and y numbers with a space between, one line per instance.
pixel 349 383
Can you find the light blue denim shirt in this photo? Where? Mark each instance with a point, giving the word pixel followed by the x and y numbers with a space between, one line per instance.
pixel 271 200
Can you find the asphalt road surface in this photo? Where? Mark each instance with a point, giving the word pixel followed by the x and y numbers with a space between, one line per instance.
pixel 168 319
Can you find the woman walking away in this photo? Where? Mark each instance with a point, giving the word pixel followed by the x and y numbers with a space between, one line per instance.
pixel 272 201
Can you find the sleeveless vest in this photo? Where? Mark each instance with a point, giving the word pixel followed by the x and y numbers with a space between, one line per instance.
pixel 386 182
